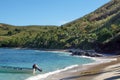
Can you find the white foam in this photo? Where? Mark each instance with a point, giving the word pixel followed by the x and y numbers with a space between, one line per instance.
pixel 60 52
pixel 97 61
pixel 43 76
pixel 53 51
pixel 100 59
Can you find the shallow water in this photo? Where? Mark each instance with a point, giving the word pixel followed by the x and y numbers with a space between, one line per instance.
pixel 48 61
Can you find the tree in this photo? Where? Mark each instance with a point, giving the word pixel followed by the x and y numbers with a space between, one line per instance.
pixel 104 34
pixel 9 33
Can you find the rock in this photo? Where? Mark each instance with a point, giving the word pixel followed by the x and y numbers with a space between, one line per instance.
pixel 90 53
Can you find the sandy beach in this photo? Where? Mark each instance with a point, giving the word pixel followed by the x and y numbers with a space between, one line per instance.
pixel 101 71
pixel 110 73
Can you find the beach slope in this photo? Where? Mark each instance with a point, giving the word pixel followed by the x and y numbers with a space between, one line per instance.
pixel 102 71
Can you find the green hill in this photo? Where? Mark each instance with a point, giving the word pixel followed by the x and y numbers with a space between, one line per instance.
pixel 104 23
pixel 99 30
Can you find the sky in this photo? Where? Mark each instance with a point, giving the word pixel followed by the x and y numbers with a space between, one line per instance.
pixel 45 12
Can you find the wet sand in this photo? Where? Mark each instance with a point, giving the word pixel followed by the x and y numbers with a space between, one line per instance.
pixel 89 72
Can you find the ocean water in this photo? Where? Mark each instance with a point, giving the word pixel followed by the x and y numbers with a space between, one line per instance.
pixel 49 61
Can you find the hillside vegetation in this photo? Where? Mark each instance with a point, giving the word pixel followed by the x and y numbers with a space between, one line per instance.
pixel 98 30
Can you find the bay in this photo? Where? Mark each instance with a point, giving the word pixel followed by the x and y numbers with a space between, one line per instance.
pixel 47 60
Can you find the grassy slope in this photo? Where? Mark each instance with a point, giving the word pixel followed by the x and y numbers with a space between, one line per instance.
pixel 98 18
pixel 17 30
pixel 106 17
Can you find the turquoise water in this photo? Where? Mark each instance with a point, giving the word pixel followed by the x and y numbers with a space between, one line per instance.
pixel 48 61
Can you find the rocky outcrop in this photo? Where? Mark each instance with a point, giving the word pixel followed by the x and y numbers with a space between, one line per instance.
pixel 90 53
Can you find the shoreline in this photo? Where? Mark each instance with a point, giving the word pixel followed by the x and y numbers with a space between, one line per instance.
pixel 80 74
pixel 68 72
pixel 88 72
pixel 75 73
pixel 95 72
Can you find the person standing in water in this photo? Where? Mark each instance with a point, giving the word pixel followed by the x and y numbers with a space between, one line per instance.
pixel 35 67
